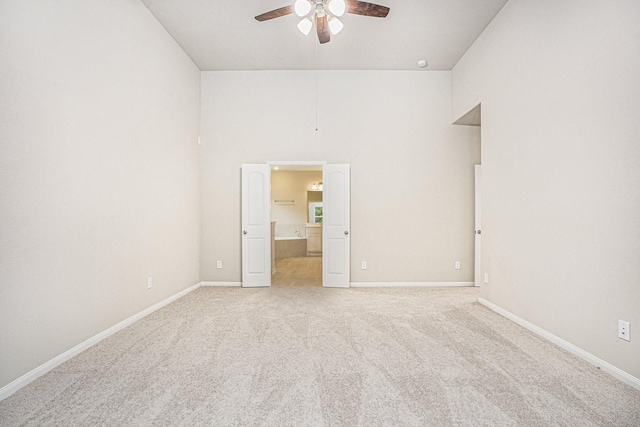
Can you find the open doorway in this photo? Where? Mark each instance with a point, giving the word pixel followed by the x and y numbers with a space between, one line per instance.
pixel 474 118
pixel 258 232
pixel 296 222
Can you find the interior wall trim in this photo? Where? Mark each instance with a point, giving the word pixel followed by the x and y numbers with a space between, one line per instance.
pixel 573 349
pixel 221 283
pixel 407 284
pixel 32 375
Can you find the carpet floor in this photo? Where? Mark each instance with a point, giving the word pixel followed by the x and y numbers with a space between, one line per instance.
pixel 310 356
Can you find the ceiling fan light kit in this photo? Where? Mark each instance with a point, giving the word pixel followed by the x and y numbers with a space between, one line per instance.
pixel 302 7
pixel 325 14
pixel 335 25
pixel 337 7
pixel 305 26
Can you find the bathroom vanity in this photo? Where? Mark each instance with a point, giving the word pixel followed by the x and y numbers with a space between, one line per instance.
pixel 314 239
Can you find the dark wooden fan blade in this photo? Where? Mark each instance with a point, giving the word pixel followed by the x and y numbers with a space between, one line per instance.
pixel 276 13
pixel 366 9
pixel 323 29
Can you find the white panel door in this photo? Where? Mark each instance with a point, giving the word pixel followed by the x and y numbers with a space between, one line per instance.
pixel 478 227
pixel 336 226
pixel 256 226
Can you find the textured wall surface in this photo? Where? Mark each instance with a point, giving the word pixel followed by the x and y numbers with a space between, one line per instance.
pixel 412 173
pixel 98 173
pixel 558 83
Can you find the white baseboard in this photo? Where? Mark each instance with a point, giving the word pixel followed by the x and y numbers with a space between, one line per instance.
pixel 407 284
pixel 577 351
pixel 221 283
pixel 17 384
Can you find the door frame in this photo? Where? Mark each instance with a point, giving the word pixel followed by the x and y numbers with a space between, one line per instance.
pixel 273 163
pixel 321 163
pixel 477 264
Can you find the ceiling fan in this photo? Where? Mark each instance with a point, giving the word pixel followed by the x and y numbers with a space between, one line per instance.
pixel 325 14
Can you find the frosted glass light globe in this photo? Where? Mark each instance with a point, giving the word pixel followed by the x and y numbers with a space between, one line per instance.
pixel 337 7
pixel 335 25
pixel 302 7
pixel 305 26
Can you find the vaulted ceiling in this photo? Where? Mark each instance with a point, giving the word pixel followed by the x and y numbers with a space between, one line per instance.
pixel 223 35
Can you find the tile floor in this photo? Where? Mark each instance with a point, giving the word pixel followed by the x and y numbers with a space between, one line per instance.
pixel 298 271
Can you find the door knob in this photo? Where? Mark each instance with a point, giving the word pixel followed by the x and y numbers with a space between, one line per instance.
pixel 478 231
pixel 346 232
pixel 244 231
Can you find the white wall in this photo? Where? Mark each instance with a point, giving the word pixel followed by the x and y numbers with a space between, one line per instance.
pixel 411 170
pixel 291 185
pixel 98 173
pixel 558 83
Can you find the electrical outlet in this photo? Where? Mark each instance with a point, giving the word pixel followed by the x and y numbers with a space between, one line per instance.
pixel 219 264
pixel 149 282
pixel 623 330
pixel 486 278
pixel 457 265
pixel 364 265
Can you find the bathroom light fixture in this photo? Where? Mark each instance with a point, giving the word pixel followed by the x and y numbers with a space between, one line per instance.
pixel 314 186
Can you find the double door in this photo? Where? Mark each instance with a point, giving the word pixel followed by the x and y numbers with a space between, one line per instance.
pixel 256 225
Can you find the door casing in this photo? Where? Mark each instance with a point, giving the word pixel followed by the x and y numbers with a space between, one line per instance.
pixel 477 267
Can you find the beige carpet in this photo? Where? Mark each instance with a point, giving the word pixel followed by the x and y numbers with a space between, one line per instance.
pixel 308 356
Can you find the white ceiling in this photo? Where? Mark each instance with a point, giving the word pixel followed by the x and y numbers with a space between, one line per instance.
pixel 223 35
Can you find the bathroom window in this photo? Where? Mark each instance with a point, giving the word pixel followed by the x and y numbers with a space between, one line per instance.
pixel 315 213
